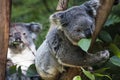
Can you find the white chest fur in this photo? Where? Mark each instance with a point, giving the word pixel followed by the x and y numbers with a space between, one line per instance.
pixel 23 59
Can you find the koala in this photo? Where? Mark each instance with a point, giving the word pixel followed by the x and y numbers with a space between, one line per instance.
pixel 21 48
pixel 60 49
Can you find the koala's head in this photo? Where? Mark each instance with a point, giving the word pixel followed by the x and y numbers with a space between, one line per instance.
pixel 77 22
pixel 23 34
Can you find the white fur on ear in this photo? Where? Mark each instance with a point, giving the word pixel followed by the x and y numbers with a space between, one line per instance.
pixel 94 4
pixel 34 27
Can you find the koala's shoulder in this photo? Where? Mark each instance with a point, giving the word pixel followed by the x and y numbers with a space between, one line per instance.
pixel 52 33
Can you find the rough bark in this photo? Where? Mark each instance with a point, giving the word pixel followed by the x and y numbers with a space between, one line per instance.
pixel 62 5
pixel 103 12
pixel 4 32
pixel 102 15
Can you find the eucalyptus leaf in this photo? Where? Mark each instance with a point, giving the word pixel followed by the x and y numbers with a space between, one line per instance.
pixel 115 49
pixel 117 40
pixel 102 75
pixel 12 70
pixel 84 44
pixel 112 19
pixel 105 36
pixel 101 70
pixel 77 78
pixel 19 71
pixel 115 60
pixel 88 74
pixel 31 70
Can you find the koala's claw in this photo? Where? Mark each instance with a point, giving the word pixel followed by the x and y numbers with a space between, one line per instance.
pixel 106 54
pixel 101 56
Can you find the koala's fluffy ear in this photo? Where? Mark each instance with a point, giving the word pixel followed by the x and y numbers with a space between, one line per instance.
pixel 34 27
pixel 92 6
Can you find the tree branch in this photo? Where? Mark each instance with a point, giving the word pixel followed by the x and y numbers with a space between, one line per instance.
pixel 102 15
pixel 62 5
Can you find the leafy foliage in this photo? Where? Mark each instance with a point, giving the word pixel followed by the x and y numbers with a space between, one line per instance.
pixel 12 70
pixel 88 74
pixel 31 71
pixel 112 19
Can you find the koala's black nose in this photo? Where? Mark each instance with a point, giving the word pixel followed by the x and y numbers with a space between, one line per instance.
pixel 61 15
pixel 18 39
pixel 88 33
pixel 17 36
pixel 58 15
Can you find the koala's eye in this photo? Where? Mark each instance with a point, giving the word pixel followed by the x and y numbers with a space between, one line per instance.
pixel 91 26
pixel 78 30
pixel 24 33
pixel 81 25
pixel 61 16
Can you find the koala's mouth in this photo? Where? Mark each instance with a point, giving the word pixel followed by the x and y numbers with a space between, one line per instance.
pixel 16 44
pixel 55 21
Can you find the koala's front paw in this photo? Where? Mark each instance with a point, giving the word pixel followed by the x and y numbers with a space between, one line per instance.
pixel 104 54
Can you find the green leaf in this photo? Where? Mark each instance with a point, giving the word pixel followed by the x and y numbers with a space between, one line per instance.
pixel 19 71
pixel 31 70
pixel 115 60
pixel 117 40
pixel 101 70
pixel 102 75
pixel 12 70
pixel 77 78
pixel 88 74
pixel 112 19
pixel 84 44
pixel 115 49
pixel 105 36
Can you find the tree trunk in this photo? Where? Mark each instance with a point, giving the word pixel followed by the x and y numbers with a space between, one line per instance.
pixel 62 5
pixel 102 14
pixel 4 32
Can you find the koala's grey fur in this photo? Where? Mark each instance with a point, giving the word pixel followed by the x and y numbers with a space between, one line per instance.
pixel 60 47
pixel 21 48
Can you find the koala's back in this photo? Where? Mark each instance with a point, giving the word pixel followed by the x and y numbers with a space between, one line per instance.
pixel 45 58
pixel 53 52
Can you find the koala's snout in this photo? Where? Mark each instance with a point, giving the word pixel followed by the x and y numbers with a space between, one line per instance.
pixel 88 33
pixel 57 16
pixel 17 36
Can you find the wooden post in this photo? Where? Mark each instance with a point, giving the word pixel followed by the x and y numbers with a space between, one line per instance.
pixel 4 33
pixel 102 15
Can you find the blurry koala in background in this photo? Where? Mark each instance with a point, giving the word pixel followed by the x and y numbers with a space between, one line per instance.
pixel 21 48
